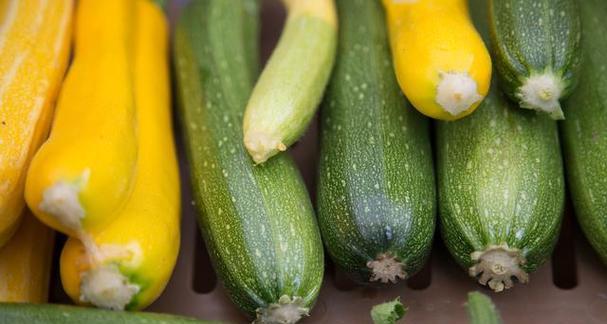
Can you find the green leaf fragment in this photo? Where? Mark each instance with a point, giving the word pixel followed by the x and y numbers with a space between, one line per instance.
pixel 389 312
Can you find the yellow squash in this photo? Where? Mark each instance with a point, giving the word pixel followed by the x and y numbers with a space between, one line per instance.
pixel 25 263
pixel 82 175
pixel 129 263
pixel 34 50
pixel 440 60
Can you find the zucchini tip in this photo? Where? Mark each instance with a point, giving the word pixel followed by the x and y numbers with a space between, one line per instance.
pixel 386 268
pixel 497 265
pixel 261 147
pixel 287 311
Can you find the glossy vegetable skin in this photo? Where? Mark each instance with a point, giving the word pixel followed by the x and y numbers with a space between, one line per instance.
pixel 83 173
pixel 64 314
pixel 257 221
pixel 440 60
pixel 376 196
pixel 292 83
pixel 537 50
pixel 127 264
pixel 584 132
pixel 501 188
pixel 34 52
pixel 25 263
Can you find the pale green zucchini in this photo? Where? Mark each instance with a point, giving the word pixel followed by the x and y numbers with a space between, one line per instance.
pixel 291 85
pixel 257 221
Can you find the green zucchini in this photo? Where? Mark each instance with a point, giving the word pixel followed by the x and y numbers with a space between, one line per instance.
pixel 376 196
pixel 501 187
pixel 584 132
pixel 64 314
pixel 292 83
pixel 536 50
pixel 257 221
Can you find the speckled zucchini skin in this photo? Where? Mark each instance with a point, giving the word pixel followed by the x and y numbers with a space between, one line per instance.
pixel 584 132
pixel 64 314
pixel 376 183
pixel 500 178
pixel 533 36
pixel 257 221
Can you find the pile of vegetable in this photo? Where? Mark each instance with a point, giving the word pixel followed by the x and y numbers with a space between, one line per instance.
pixel 429 111
pixel 107 174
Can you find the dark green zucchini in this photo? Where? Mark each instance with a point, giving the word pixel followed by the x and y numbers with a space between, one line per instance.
pixel 501 187
pixel 584 132
pixel 63 314
pixel 257 221
pixel 376 197
pixel 536 50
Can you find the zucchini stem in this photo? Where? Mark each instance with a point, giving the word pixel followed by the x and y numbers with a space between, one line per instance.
pixel 496 265
pixel 542 92
pixel 457 92
pixel 386 268
pixel 287 311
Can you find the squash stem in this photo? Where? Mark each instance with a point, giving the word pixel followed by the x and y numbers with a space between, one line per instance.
pixel 287 311
pixel 105 286
pixel 386 268
pixel 457 92
pixel 496 265
pixel 542 92
pixel 62 202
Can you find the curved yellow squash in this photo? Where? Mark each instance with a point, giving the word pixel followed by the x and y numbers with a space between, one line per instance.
pixel 34 51
pixel 25 263
pixel 129 263
pixel 83 174
pixel 440 60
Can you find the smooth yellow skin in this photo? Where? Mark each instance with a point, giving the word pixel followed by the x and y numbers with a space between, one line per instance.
pixel 25 263
pixel 94 128
pixel 429 37
pixel 34 51
pixel 144 239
